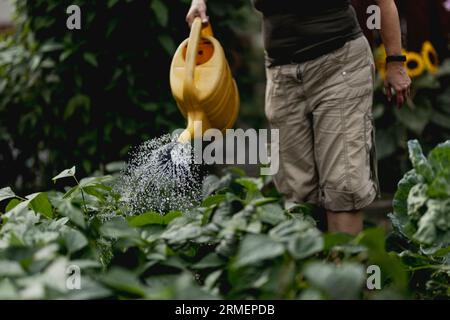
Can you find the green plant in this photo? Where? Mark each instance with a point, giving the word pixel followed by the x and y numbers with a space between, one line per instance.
pixel 421 216
pixel 425 116
pixel 240 243
pixel 85 96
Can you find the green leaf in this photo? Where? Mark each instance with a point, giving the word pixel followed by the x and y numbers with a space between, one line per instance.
pixel 10 269
pixel 256 248
pixel 179 231
pixel 74 240
pixel 12 204
pixel 386 145
pixel 167 43
pixel 289 229
pixel 7 290
pixel 6 193
pixel 161 12
pixel 118 228
pixel 426 81
pixel 67 209
pixel 124 281
pixel 401 196
pixel 152 218
pixel 343 282
pixel 436 217
pixel 90 58
pixel 419 162
pixel 373 239
pixel 415 117
pixel 112 3
pixel 393 270
pixel 439 157
pixel 441 119
pixel 416 200
pixel 306 244
pixel 42 205
pixel 271 214
pixel 49 47
pixel 440 187
pixel 65 174
pixel 22 206
pixel 213 200
pixel 76 102
pixel 251 184
pixel 212 260
pixel 332 240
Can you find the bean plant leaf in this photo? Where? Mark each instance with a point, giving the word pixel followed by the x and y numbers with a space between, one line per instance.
pixel 12 204
pixel 6 193
pixel 256 248
pixel 65 174
pixel 153 218
pixel 212 260
pixel 306 244
pixel 342 282
pixel 124 281
pixel 66 208
pixel 74 240
pixel 118 228
pixel 42 205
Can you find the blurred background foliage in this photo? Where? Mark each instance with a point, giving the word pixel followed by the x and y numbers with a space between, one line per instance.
pixel 86 96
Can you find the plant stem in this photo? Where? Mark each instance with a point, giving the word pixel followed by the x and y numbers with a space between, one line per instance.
pixel 82 194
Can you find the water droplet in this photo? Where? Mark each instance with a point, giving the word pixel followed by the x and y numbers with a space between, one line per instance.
pixel 160 176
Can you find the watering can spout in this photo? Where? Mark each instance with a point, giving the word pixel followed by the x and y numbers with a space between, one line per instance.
pixel 196 124
pixel 202 84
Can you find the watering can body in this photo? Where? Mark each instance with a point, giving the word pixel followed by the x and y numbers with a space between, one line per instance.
pixel 202 84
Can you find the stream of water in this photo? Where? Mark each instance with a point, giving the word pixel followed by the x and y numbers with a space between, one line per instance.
pixel 160 177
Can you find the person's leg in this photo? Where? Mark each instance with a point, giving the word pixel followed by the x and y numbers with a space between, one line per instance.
pixel 340 88
pixel 347 222
pixel 285 110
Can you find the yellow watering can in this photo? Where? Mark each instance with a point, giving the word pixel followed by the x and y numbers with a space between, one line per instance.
pixel 202 84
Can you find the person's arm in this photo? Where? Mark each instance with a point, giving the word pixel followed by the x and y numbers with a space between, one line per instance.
pixel 396 76
pixel 198 9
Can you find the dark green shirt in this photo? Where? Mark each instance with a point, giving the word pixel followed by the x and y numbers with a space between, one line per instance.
pixel 302 30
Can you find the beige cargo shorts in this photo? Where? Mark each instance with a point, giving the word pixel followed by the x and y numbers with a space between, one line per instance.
pixel 323 111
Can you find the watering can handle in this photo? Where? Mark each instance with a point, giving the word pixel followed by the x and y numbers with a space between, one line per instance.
pixel 197 32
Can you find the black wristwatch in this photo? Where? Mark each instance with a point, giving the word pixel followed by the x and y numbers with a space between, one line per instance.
pixel 395 59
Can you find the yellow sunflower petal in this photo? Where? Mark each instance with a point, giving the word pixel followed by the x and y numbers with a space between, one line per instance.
pixel 379 55
pixel 414 64
pixel 430 57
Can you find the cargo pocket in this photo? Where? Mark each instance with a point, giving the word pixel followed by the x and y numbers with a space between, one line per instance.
pixel 373 159
pixel 281 93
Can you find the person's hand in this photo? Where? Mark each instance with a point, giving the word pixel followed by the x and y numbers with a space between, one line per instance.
pixel 198 9
pixel 397 82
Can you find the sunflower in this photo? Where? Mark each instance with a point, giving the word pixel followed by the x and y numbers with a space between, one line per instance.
pixel 430 57
pixel 380 60
pixel 414 64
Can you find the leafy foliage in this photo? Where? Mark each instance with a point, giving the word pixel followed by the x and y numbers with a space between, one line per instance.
pixel 425 116
pixel 423 197
pixel 241 243
pixel 421 214
pixel 85 96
